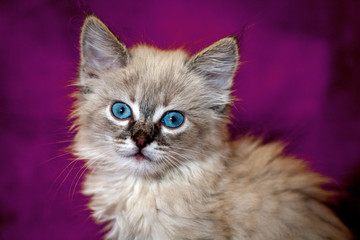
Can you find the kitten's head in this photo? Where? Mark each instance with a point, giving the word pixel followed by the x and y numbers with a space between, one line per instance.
pixel 145 110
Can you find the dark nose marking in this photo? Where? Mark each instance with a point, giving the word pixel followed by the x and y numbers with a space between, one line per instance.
pixel 143 133
pixel 142 139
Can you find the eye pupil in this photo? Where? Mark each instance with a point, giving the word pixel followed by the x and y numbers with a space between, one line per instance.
pixel 173 119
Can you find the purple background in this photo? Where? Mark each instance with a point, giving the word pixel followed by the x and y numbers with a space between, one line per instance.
pixel 299 82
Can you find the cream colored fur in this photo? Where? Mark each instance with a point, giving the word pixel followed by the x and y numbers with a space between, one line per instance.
pixel 198 184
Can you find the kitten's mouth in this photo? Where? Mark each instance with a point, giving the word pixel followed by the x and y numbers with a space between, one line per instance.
pixel 139 157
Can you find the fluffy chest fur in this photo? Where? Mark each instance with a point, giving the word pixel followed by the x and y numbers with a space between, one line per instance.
pixel 177 207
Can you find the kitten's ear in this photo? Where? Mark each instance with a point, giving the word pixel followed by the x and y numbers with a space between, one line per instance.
pixel 100 48
pixel 217 63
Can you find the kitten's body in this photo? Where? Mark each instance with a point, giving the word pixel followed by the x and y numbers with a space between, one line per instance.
pixel 188 182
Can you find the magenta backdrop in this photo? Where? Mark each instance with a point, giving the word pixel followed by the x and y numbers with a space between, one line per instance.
pixel 299 82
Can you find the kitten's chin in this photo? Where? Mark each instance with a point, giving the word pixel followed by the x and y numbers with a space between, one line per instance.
pixel 140 164
pixel 143 163
pixel 139 157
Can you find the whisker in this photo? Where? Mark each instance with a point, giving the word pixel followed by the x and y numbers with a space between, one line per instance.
pixel 186 150
pixel 56 157
pixel 82 173
pixel 83 170
pixel 172 161
pixel 72 164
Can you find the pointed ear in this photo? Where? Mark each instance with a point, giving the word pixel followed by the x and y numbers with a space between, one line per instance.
pixel 100 48
pixel 217 63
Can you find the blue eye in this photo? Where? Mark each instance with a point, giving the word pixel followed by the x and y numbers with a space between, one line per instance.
pixel 173 119
pixel 121 110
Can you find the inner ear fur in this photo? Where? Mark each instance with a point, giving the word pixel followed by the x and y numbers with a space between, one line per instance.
pixel 217 63
pixel 100 48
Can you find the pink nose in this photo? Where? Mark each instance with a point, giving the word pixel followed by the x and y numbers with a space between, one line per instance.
pixel 140 142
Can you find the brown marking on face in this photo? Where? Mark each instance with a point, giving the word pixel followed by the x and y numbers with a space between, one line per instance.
pixel 143 133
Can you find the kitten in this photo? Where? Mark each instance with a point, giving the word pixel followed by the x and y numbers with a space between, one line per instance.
pixel 152 127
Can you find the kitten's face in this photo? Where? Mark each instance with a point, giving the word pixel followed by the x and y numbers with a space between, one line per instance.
pixel 145 110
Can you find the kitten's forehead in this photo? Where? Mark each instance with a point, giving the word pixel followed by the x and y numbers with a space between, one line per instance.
pixel 149 55
pixel 155 79
pixel 157 76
